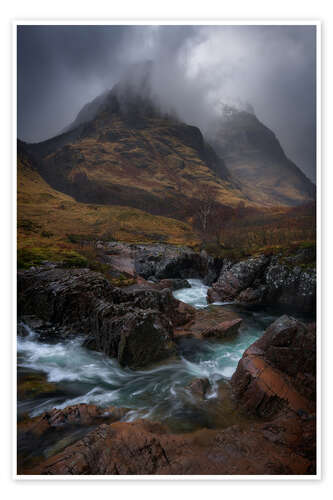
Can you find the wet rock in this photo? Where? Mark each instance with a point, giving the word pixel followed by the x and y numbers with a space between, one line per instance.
pixel 80 414
pixel 52 431
pixel 279 370
pixel 133 324
pixel 199 387
pixel 224 329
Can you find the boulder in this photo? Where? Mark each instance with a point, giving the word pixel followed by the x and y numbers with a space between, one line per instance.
pixel 290 286
pixel 133 324
pixel 279 370
pixel 168 261
pixel 136 339
pixel 235 278
pixel 266 280
pixel 206 320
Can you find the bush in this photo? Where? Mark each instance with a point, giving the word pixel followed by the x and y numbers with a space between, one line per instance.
pixel 73 259
pixel 27 257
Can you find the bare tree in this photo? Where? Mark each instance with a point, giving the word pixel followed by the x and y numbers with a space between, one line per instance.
pixel 206 203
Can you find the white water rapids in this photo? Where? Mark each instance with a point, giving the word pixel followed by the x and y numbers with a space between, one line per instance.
pixel 160 393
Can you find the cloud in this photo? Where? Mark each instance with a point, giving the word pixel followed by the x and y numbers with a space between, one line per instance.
pixel 60 68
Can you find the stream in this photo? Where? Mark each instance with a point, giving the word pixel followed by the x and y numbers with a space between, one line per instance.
pixel 74 374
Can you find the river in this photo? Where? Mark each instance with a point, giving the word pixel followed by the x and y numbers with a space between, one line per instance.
pixel 78 375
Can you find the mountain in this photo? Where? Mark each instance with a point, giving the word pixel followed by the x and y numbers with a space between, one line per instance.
pixel 132 154
pixel 254 156
pixel 123 150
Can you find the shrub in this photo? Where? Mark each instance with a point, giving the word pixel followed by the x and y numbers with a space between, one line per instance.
pixel 73 259
pixel 27 257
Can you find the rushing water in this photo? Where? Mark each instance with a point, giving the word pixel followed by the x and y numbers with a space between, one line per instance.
pixel 161 393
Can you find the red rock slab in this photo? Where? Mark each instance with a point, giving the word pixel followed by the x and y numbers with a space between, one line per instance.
pixel 80 414
pixel 205 320
pixel 260 386
pixel 224 329
pixel 142 447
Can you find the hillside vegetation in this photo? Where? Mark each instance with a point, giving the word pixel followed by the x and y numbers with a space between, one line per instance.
pixel 51 224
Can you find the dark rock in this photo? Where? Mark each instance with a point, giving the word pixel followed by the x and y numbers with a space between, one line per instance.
pixel 167 261
pixel 291 286
pixel 266 280
pixel 235 278
pixel 136 339
pixel 133 324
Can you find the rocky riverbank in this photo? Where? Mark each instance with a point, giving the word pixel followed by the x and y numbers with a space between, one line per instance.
pixel 279 389
pixel 133 324
pixel 267 280
pixel 273 389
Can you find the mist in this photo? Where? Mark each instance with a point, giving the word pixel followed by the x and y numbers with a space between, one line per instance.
pixel 195 69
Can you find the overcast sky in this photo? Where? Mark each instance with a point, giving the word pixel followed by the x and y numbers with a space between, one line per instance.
pixel 61 68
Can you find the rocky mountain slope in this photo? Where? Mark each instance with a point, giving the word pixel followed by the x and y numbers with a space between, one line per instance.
pixel 256 159
pixel 132 154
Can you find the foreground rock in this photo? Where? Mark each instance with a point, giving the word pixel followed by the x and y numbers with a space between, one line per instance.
pixel 143 447
pixel 52 431
pixel 267 280
pixel 134 324
pixel 274 380
pixel 279 370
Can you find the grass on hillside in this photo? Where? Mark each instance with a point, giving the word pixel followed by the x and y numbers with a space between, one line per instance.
pixel 52 225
